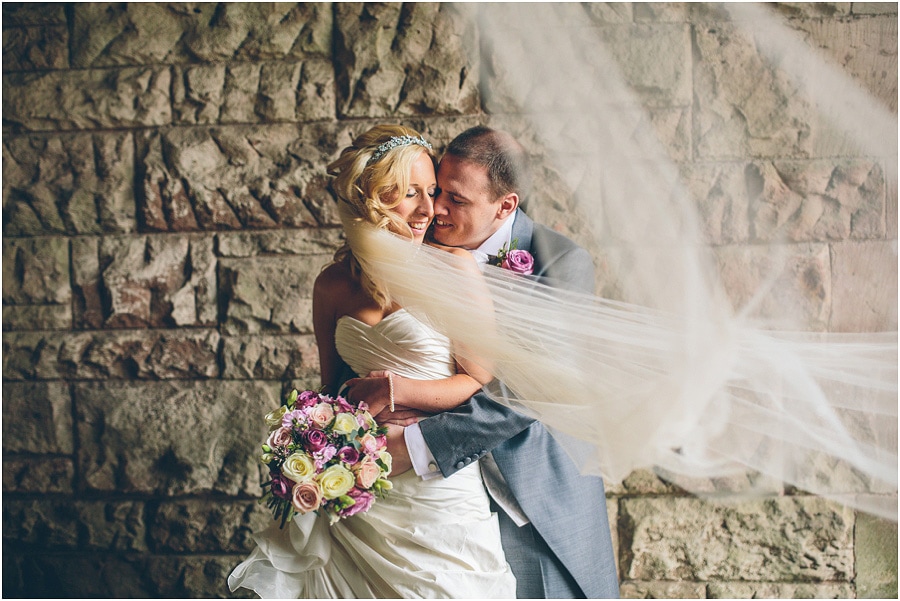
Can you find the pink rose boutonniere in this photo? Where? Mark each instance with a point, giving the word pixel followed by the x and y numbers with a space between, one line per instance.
pixel 516 261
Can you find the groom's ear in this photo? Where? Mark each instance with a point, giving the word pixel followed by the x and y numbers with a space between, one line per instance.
pixel 507 205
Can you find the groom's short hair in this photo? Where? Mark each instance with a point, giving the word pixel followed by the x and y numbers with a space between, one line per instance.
pixel 506 160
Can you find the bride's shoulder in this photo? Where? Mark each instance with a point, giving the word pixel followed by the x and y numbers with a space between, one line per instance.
pixel 335 279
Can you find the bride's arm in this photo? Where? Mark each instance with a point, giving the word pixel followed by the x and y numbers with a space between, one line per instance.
pixel 427 396
pixel 325 297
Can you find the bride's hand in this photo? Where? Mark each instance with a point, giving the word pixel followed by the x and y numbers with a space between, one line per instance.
pixel 374 390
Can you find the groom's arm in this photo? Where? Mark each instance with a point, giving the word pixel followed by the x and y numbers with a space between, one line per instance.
pixel 468 432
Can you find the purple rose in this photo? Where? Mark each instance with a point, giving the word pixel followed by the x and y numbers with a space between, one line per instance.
pixel 348 455
pixel 281 486
pixel 363 500
pixel 518 261
pixel 314 440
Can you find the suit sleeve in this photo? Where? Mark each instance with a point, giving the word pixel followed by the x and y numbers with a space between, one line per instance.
pixel 465 434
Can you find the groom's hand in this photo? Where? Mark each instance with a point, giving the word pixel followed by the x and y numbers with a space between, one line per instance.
pixel 396 446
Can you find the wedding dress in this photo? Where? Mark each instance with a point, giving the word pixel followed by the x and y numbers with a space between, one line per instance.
pixel 427 539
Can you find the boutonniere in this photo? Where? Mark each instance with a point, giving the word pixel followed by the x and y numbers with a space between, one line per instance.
pixel 516 261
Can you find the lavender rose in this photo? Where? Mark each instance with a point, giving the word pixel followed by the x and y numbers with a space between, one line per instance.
pixel 519 261
pixel 362 501
pixel 307 398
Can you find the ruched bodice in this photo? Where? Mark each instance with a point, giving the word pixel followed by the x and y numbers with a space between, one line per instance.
pixel 399 342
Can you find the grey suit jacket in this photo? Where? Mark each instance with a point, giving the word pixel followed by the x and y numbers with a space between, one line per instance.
pixel 566 508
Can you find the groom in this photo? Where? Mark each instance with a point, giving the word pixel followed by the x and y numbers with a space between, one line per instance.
pixel 553 521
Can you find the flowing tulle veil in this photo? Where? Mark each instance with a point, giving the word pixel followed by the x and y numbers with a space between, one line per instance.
pixel 662 370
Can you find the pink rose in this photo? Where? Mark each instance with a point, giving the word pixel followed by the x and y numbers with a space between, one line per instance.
pixel 519 261
pixel 381 439
pixel 362 502
pixel 279 438
pixel 368 443
pixel 367 472
pixel 314 440
pixel 321 415
pixel 306 497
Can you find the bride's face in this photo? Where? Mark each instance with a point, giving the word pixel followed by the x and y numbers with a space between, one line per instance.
pixel 417 204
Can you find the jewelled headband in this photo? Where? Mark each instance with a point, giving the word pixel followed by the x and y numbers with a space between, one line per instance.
pixel 396 142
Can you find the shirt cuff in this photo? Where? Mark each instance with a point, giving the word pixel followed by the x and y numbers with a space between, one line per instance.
pixel 423 461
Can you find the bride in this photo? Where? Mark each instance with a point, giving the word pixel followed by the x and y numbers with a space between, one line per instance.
pixel 428 538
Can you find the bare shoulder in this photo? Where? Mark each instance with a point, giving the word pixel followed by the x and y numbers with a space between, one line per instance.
pixel 334 279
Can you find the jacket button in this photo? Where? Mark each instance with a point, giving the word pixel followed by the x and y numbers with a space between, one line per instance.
pixel 460 465
pixel 468 460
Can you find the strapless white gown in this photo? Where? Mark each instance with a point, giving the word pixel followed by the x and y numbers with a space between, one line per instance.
pixel 427 539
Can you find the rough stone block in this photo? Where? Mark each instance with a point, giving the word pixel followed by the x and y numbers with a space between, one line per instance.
pixel 662 12
pixel 33 13
pixel 317 241
pixel 864 286
pixel 37 418
pixel 40 524
pixel 779 590
pixel 816 201
pixel 798 276
pixel 76 184
pixel 812 10
pixel 93 99
pixel 36 271
pixel 268 295
pixel 113 526
pixel 155 281
pixel 236 177
pixel 876 558
pixel 35 48
pixel 410 59
pixel 270 357
pixel 720 193
pixel 655 61
pixel 874 8
pixel 30 475
pixel 194 577
pixel 266 93
pixel 30 356
pixel 149 33
pixel 792 539
pixel 203 526
pixel 37 317
pixel 632 589
pixel 44 575
pixel 611 12
pixel 865 49
pixel 750 111
pixel 194 436
pixel 143 355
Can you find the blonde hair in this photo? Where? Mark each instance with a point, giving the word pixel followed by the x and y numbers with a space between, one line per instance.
pixel 368 189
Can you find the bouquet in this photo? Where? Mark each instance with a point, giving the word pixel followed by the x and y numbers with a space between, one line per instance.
pixel 323 454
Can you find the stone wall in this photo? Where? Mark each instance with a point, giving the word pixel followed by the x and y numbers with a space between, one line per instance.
pixel 165 212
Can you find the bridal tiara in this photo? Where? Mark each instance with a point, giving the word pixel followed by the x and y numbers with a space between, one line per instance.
pixel 396 142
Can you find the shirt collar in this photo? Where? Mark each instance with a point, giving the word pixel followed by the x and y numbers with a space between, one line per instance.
pixel 501 237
